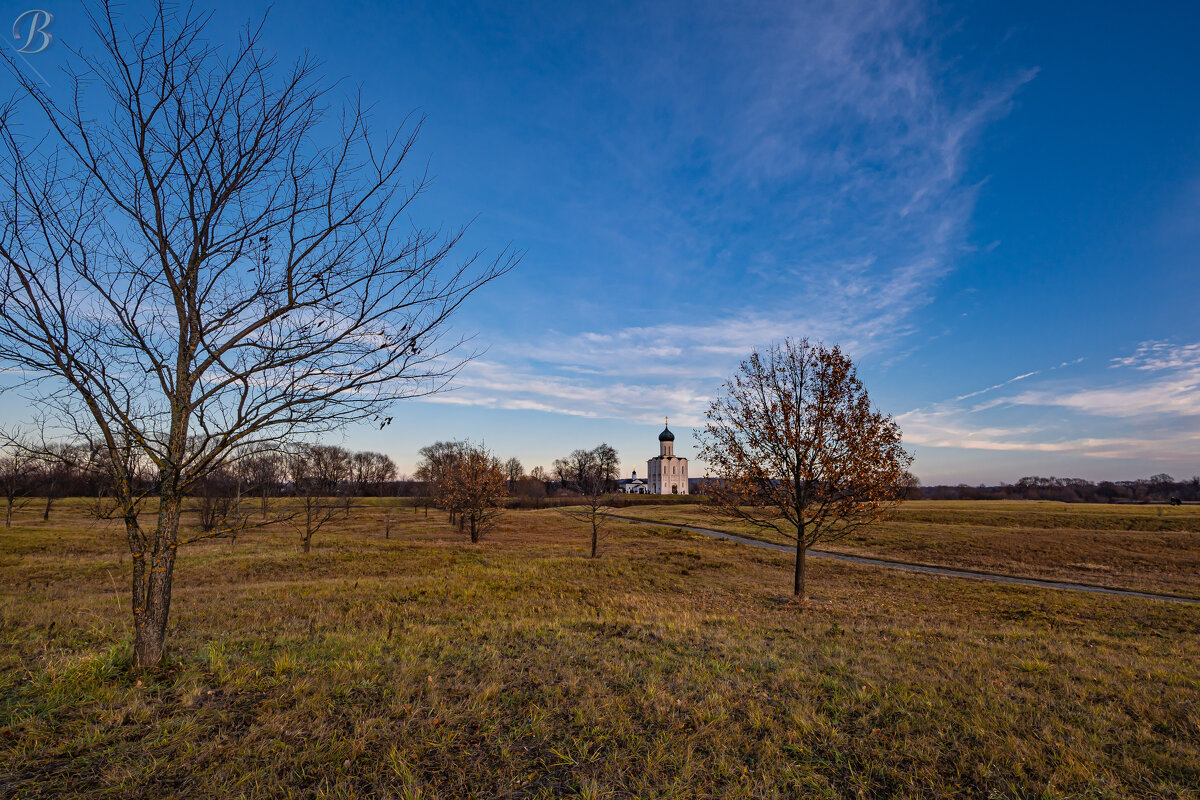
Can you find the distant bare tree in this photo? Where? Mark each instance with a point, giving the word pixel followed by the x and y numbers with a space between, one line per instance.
pixel 608 465
pixel 329 467
pixel 208 265
pixel 797 447
pixel 592 473
pixel 313 470
pixel 513 470
pixel 389 516
pixel 582 465
pixel 372 472
pixel 261 470
pixel 57 463
pixel 218 502
pixel 16 480
pixel 435 470
pixel 331 472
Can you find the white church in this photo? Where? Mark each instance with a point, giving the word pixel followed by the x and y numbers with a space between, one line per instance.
pixel 667 473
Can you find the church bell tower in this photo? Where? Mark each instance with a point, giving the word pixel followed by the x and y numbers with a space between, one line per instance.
pixel 666 441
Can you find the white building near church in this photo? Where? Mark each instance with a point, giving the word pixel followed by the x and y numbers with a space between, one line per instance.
pixel 634 485
pixel 667 473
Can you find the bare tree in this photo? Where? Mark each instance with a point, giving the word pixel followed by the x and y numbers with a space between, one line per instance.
pixel 436 471
pixel 225 259
pixel 592 473
pixel 372 471
pixel 328 468
pixel 581 465
pixel 57 464
pixel 332 466
pixel 218 502
pixel 261 469
pixel 608 465
pixel 513 470
pixel 313 472
pixel 797 448
pixel 389 516
pixel 16 480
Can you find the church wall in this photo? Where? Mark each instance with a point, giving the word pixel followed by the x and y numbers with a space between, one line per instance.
pixel 666 470
pixel 663 473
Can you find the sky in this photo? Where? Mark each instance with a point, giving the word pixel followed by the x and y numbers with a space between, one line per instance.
pixel 994 209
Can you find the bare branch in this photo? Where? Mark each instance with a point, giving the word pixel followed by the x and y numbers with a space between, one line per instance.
pixel 222 261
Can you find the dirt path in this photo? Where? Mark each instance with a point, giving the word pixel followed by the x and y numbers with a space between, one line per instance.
pixel 910 567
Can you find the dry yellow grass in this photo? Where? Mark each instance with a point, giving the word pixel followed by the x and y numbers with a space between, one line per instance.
pixel 672 666
pixel 1145 548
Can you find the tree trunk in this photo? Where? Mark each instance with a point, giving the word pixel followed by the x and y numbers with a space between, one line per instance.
pixel 798 586
pixel 152 586
pixel 139 586
pixel 8 513
pixel 474 530
pixel 309 524
pixel 595 537
pixel 49 502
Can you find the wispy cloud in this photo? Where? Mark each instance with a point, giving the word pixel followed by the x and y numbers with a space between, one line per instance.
pixel 1172 389
pixel 1146 406
pixel 1161 356
pixel 810 182
pixel 493 385
pixel 1000 385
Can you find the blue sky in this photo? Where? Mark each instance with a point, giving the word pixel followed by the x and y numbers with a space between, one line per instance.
pixel 995 210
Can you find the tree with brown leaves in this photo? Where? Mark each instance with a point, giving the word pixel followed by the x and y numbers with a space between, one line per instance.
pixel 796 447
pixel 476 489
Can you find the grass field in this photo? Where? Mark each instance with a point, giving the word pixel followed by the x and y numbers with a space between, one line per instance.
pixel 1147 548
pixel 673 666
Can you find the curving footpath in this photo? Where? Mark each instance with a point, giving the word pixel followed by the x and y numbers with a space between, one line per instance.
pixel 908 566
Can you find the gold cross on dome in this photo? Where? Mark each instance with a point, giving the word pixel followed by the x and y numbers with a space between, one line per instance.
pixel 665 419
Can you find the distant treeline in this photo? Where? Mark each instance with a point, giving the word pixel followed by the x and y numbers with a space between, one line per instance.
pixel 1161 488
pixel 78 471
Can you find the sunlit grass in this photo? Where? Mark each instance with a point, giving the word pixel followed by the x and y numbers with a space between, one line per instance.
pixel 672 666
pixel 1147 548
